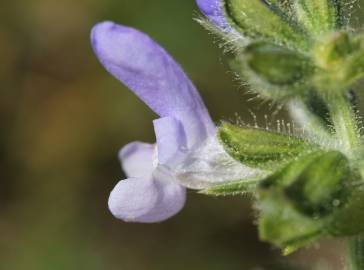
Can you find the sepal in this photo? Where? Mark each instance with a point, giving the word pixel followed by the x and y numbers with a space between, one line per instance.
pixel 298 203
pixel 233 188
pixel 260 148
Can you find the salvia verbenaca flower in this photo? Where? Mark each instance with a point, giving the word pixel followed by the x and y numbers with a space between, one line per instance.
pixel 187 153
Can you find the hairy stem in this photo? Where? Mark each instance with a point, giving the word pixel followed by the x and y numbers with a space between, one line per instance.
pixel 345 124
pixel 349 142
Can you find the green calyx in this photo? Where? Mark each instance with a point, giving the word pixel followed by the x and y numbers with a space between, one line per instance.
pixel 260 148
pixel 233 188
pixel 301 202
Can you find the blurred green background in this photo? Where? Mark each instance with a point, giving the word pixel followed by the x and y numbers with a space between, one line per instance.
pixel 63 120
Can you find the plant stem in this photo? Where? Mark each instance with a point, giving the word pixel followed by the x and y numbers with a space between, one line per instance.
pixel 355 259
pixel 349 141
pixel 344 120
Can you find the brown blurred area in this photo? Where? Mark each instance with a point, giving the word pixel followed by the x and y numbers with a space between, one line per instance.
pixel 63 120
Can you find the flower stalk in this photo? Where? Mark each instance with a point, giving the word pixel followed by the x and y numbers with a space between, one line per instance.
pixel 347 133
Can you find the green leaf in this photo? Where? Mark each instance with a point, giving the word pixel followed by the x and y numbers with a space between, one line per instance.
pixel 256 19
pixel 233 188
pixel 317 16
pixel 260 148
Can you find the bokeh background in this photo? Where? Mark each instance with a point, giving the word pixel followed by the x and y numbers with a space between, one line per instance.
pixel 64 118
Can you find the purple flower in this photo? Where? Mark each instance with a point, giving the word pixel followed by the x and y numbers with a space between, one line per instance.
pixel 214 11
pixel 151 193
pixel 186 154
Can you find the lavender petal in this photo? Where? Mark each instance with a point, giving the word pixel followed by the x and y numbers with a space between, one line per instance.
pixel 171 139
pixel 150 72
pixel 137 159
pixel 146 199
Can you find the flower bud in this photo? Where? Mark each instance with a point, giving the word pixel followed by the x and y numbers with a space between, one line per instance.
pixel 339 58
pixel 274 71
